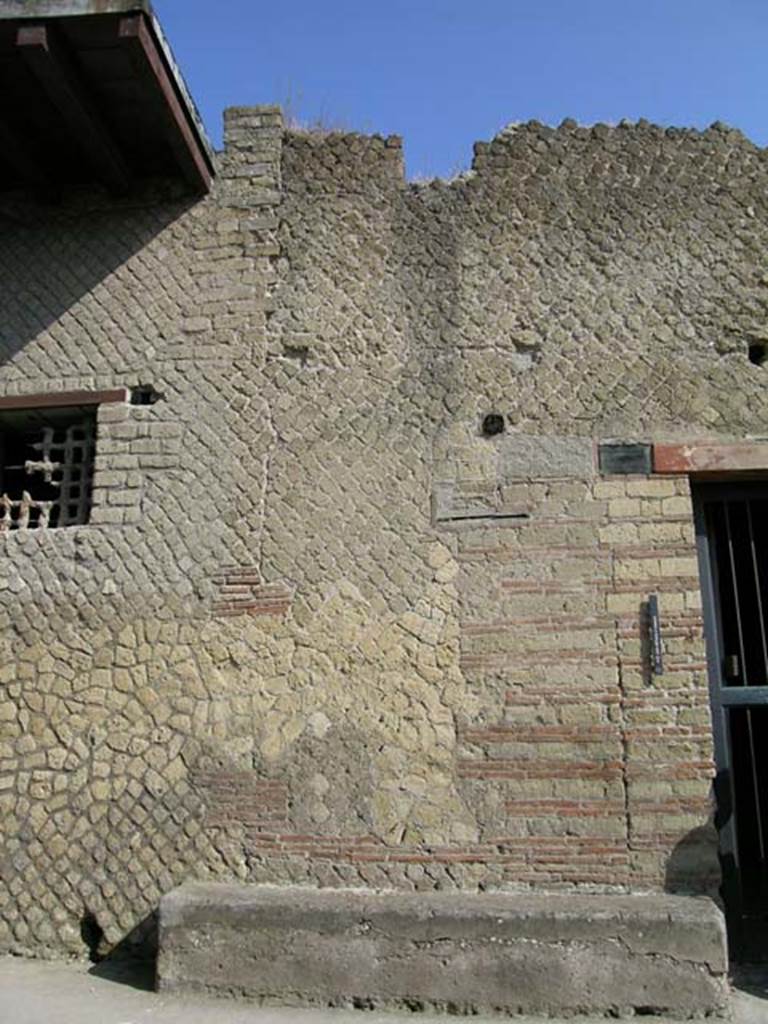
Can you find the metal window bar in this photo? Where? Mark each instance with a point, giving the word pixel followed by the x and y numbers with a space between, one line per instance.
pixel 65 462
pixel 758 587
pixel 738 634
pixel 738 596
pixel 735 585
pixel 26 512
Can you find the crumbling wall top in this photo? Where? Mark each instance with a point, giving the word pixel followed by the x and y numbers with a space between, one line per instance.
pixel 586 155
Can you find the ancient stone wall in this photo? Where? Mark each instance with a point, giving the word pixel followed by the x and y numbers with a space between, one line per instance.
pixel 320 628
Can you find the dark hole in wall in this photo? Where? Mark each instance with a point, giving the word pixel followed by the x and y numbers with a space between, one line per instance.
pixel 758 353
pixel 133 960
pixel 92 935
pixel 145 394
pixel 299 353
pixel 493 424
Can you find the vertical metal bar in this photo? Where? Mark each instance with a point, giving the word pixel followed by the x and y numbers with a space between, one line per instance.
pixel 745 682
pixel 707 541
pixel 654 636
pixel 757 588
pixel 729 832
pixel 732 560
pixel 755 785
pixel 755 781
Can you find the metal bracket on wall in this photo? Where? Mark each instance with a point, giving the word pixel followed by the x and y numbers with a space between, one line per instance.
pixel 654 636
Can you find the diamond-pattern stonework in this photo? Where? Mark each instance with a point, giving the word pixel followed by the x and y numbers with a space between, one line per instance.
pixel 319 628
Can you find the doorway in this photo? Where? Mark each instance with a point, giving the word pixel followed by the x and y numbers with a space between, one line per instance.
pixel 732 538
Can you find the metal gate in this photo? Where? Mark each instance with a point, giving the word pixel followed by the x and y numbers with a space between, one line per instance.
pixel 732 535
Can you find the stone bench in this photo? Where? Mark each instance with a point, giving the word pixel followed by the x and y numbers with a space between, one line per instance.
pixel 451 951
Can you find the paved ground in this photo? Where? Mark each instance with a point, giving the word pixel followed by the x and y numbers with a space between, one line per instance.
pixel 38 992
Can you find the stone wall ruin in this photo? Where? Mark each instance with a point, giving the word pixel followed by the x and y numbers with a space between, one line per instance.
pixel 319 627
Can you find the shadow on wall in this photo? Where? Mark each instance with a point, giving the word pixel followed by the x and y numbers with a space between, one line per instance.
pixel 132 961
pixel 750 998
pixel 693 865
pixel 53 256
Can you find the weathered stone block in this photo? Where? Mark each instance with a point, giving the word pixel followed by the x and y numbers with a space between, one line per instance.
pixel 531 456
pixel 453 951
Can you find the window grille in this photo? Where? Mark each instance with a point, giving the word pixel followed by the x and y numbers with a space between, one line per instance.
pixel 46 470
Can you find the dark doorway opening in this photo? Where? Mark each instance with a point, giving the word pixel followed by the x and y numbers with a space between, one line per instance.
pixel 732 534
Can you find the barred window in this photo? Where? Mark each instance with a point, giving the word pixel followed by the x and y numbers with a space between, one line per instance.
pixel 46 467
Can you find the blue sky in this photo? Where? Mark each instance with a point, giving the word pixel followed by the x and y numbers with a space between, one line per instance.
pixel 444 73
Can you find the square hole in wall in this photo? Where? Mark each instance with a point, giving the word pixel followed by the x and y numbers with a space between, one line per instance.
pixel 46 467
pixel 758 353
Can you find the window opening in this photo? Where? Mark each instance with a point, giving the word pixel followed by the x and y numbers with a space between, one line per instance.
pixel 46 467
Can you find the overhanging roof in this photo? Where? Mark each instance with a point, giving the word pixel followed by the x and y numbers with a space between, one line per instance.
pixel 90 92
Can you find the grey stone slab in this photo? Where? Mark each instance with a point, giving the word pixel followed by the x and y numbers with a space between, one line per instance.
pixel 624 458
pixel 526 456
pixel 458 952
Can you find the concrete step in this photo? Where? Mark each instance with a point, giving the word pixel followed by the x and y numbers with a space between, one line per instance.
pixel 446 951
pixel 44 992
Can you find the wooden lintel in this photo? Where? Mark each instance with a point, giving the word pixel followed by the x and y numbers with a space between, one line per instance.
pixel 50 64
pixel 15 153
pixel 148 65
pixel 62 399
pixel 711 457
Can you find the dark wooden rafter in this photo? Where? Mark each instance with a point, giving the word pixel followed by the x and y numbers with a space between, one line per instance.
pixel 14 152
pixel 48 61
pixel 62 399
pixel 148 65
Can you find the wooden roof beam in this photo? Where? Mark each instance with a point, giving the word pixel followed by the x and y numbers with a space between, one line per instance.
pixel 62 399
pixel 149 67
pixel 53 69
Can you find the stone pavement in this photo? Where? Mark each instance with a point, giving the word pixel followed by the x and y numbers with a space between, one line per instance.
pixel 43 992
